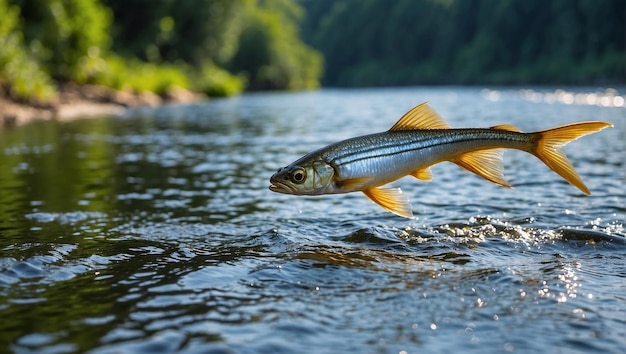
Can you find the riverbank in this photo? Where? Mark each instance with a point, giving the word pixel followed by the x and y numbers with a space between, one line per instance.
pixel 74 101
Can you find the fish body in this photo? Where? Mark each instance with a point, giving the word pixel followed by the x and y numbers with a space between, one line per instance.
pixel 417 141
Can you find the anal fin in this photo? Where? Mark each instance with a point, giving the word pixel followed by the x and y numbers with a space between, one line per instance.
pixel 390 199
pixel 423 174
pixel 485 163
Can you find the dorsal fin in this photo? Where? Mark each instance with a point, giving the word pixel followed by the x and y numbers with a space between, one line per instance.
pixel 507 127
pixel 420 117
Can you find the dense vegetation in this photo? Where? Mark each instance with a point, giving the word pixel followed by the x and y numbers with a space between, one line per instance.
pixel 221 47
pixel 408 42
pixel 213 46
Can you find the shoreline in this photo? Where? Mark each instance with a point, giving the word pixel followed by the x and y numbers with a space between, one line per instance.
pixel 83 101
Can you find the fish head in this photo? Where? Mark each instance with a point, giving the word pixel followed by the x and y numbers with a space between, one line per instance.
pixel 304 178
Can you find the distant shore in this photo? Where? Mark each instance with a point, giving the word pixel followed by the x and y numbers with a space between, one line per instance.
pixel 73 101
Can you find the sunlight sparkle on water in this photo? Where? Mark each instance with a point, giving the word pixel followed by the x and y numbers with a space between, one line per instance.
pixel 607 98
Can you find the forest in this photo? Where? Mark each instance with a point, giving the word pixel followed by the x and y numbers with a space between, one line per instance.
pixel 222 47
pixel 217 47
pixel 478 42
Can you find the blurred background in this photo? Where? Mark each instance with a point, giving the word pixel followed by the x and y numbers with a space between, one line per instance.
pixel 223 47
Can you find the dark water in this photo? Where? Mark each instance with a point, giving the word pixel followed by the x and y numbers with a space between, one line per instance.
pixel 156 233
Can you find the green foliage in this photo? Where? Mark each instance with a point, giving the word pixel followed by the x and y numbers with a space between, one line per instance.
pixel 255 39
pixel 62 33
pixel 168 30
pixel 135 75
pixel 20 75
pixel 216 82
pixel 132 74
pixel 220 47
pixel 270 53
pixel 143 45
pixel 408 42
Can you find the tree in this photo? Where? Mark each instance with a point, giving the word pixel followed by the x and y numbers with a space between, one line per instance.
pixel 409 42
pixel 271 54
pixel 21 76
pixel 64 33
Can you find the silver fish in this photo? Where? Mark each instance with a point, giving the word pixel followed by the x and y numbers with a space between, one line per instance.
pixel 420 139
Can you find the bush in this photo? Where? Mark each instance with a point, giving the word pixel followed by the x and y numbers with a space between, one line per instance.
pixel 271 55
pixel 131 74
pixel 62 33
pixel 20 75
pixel 216 82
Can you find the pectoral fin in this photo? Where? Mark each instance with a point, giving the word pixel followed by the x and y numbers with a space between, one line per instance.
pixel 354 184
pixel 391 199
pixel 485 163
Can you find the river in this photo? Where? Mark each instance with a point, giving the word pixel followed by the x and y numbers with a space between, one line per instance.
pixel 156 232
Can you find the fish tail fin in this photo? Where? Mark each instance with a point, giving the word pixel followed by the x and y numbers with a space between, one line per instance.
pixel 549 143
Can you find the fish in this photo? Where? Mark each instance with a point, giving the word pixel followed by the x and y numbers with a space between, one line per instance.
pixel 417 141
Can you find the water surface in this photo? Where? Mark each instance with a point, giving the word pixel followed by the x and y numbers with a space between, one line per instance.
pixel 156 232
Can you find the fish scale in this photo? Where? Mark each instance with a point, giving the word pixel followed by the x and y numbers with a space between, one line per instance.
pixel 390 144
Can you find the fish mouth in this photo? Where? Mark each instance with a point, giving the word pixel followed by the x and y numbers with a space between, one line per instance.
pixel 279 187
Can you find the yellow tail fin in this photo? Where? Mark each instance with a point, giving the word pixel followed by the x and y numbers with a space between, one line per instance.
pixel 548 148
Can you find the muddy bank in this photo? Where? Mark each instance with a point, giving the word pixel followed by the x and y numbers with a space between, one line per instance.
pixel 74 101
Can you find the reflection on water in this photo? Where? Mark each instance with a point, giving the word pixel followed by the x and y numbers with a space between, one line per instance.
pixel 606 98
pixel 156 232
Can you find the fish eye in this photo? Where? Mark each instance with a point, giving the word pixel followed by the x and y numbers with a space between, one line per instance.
pixel 298 176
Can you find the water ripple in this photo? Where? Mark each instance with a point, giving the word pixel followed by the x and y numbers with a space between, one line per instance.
pixel 159 235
